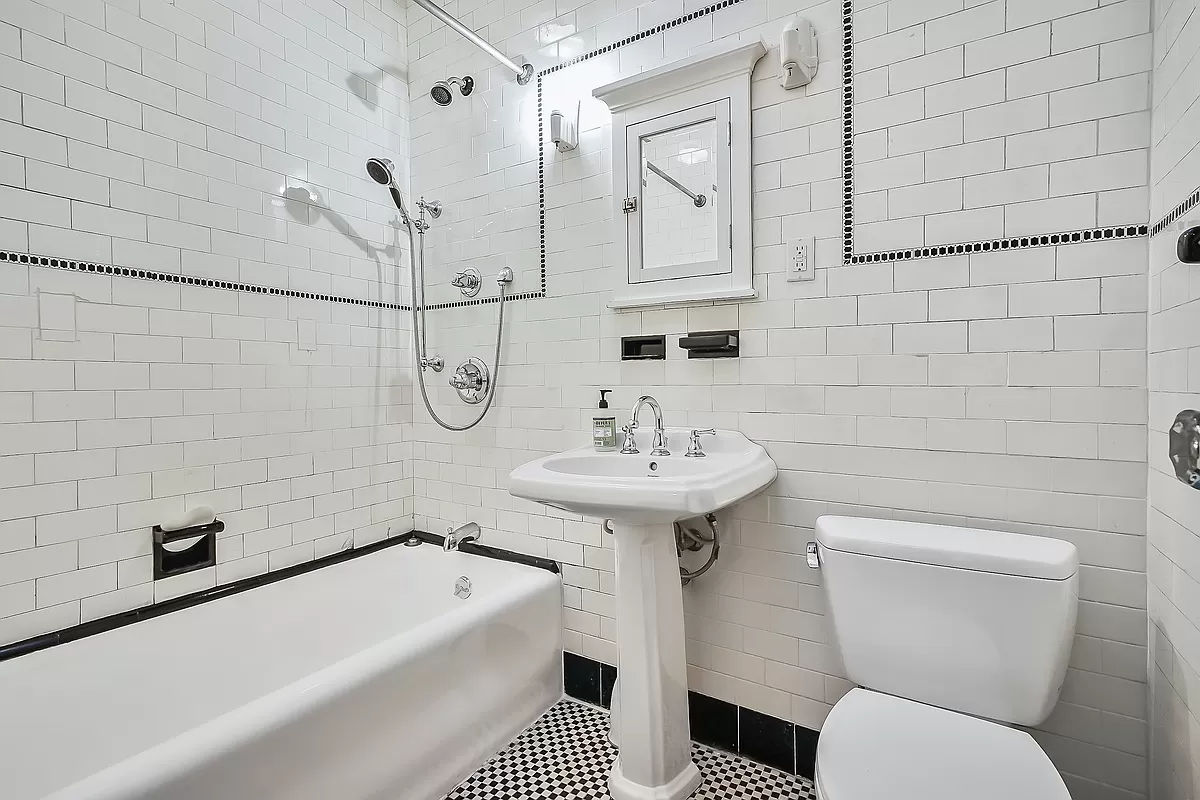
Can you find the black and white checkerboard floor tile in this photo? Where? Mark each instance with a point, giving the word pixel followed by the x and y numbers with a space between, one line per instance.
pixel 566 755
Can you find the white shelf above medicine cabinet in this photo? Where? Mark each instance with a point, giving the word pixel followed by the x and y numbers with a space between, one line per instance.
pixel 681 179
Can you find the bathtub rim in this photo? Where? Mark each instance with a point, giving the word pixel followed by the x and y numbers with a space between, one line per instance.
pixel 45 641
pixel 232 729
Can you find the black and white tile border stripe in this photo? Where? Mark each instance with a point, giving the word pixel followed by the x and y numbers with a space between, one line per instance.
pixel 94 268
pixel 849 257
pixel 703 12
pixel 933 251
pixel 1012 243
pixel 847 131
pixel 1178 211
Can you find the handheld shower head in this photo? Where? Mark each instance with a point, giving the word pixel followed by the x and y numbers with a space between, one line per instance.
pixel 381 171
pixel 441 91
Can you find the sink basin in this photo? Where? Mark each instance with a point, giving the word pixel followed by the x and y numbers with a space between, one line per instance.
pixel 643 495
pixel 646 489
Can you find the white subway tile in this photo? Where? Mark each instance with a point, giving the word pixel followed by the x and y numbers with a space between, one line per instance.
pixel 1054 298
pixel 1102 99
pixel 1004 119
pixel 1075 68
pixel 1007 49
pixel 36 562
pixel 1110 22
pixel 1011 335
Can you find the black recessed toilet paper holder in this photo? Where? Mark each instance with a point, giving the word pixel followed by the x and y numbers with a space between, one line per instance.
pixel 202 553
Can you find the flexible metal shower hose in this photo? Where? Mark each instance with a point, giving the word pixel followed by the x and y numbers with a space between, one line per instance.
pixel 416 254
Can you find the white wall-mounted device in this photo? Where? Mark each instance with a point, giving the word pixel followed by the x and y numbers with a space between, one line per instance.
pixel 564 132
pixel 797 54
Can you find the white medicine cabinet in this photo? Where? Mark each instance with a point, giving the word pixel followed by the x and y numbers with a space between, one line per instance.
pixel 681 179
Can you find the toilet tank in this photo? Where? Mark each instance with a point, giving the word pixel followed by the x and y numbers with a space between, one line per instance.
pixel 975 621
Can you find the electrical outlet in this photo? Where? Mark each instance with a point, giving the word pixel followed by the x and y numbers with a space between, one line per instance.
pixel 801 264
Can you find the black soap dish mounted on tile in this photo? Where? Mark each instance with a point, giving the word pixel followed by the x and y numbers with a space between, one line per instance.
pixel 711 344
pixel 202 553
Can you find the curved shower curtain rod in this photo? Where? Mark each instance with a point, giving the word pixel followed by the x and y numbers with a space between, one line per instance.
pixel 524 72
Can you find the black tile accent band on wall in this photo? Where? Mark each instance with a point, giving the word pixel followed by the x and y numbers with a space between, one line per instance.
pixel 933 251
pixel 1174 214
pixel 848 254
pixel 769 740
pixel 74 265
pixel 113 621
pixel 1012 243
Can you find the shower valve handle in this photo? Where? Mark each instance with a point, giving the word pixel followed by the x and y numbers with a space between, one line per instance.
pixel 465 280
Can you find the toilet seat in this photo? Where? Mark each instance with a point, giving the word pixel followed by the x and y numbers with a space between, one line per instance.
pixel 875 746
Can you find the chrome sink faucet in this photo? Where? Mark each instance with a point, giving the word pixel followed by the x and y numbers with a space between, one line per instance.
pixel 659 445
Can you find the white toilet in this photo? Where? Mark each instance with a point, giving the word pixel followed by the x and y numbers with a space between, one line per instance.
pixel 946 629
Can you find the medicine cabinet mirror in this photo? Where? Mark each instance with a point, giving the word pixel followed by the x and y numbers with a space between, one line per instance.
pixel 681 179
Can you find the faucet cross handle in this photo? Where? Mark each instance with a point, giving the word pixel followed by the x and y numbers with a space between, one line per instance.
pixel 695 450
pixel 629 446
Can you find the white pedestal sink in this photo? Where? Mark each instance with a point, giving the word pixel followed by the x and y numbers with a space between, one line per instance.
pixel 643 495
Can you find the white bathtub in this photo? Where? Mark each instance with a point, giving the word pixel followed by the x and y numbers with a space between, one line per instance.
pixel 363 679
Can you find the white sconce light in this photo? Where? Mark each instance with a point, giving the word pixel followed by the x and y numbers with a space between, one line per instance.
pixel 797 54
pixel 564 132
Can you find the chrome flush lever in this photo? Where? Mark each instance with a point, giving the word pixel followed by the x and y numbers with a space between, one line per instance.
pixel 810 553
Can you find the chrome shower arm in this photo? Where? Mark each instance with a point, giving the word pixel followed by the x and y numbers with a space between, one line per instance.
pixel 524 73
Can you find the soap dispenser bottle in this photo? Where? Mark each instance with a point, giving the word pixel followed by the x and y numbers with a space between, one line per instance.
pixel 604 426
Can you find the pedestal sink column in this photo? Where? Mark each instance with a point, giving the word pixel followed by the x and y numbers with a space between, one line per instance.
pixel 655 738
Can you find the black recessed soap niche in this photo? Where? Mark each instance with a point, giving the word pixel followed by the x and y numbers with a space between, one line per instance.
pixel 643 348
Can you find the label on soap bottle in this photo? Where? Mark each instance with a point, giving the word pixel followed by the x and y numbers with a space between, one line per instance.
pixel 604 433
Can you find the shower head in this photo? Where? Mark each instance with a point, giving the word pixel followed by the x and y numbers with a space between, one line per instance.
pixel 381 171
pixel 442 93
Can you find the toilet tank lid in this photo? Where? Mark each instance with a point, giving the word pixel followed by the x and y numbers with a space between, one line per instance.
pixel 948 546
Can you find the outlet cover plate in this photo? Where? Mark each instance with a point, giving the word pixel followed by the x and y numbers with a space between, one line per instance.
pixel 801 263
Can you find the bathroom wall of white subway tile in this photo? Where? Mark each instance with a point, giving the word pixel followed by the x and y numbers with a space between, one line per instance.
pixel 1000 389
pixel 221 141
pixel 1173 568
pixel 1039 127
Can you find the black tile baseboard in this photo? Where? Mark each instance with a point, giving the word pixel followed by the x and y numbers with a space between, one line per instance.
pixel 581 678
pixel 714 722
pixel 806 752
pixel 769 740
